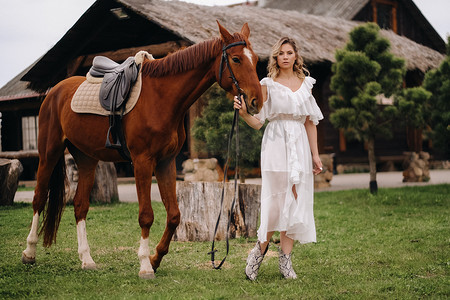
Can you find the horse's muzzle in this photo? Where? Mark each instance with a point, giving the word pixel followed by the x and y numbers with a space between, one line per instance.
pixel 252 104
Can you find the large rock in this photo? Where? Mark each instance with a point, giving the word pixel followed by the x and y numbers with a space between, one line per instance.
pixel 416 167
pixel 200 169
pixel 10 171
pixel 199 204
pixel 105 188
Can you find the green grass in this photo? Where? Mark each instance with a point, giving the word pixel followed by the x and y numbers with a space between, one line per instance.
pixel 394 245
pixel 22 188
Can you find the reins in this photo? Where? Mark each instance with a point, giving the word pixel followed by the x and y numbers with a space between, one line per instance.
pixel 234 124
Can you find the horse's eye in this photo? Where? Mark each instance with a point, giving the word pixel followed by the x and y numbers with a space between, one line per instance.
pixel 236 60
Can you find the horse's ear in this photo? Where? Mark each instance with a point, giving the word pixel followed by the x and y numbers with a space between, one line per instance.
pixel 245 30
pixel 224 34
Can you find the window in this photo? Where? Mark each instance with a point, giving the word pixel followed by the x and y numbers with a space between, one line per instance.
pixel 385 14
pixel 29 132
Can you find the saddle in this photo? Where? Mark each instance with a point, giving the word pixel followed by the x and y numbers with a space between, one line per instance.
pixel 117 80
pixel 114 91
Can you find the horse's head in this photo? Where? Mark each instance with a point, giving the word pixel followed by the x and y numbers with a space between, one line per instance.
pixel 236 68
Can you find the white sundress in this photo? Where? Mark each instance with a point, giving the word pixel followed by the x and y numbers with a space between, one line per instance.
pixel 286 161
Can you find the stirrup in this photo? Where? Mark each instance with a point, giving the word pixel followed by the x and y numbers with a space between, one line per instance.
pixel 113 145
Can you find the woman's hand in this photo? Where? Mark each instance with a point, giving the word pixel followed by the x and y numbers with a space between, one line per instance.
pixel 248 118
pixel 240 105
pixel 318 168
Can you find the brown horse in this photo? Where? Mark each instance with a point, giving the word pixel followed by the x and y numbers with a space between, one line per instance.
pixel 154 131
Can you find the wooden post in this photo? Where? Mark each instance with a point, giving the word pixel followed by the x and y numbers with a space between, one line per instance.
pixel 105 188
pixel 9 179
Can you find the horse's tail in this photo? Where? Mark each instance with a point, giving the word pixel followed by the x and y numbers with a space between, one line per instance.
pixel 56 201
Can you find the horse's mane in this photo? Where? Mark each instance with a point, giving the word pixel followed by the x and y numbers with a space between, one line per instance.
pixel 183 60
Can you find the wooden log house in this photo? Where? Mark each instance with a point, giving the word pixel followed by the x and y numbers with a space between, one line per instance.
pixel 120 28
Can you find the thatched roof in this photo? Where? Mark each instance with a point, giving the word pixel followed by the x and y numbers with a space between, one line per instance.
pixel 16 89
pixel 350 9
pixel 345 9
pixel 318 36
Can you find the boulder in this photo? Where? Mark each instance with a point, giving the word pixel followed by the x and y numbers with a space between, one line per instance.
pixel 416 167
pixel 200 169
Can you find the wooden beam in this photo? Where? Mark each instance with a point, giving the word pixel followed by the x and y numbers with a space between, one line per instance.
pixel 157 50
pixel 19 154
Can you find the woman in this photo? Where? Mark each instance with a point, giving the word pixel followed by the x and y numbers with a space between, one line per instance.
pixel 289 156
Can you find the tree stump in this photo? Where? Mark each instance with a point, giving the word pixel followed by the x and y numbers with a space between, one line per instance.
pixel 105 188
pixel 199 204
pixel 9 180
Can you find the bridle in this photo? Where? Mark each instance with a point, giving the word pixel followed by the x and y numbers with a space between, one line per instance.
pixel 233 78
pixel 236 171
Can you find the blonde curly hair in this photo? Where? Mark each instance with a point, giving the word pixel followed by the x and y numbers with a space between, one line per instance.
pixel 273 68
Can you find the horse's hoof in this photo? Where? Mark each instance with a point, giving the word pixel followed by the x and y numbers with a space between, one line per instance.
pixel 147 275
pixel 28 260
pixel 154 262
pixel 89 266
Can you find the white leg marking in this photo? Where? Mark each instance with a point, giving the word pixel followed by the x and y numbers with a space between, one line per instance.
pixel 249 55
pixel 146 271
pixel 29 254
pixel 87 262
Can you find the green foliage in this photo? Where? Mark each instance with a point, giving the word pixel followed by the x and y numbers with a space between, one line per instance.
pixel 413 105
pixel 363 70
pixel 438 83
pixel 390 246
pixel 213 128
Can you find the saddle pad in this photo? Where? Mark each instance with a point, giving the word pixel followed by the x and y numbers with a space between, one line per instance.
pixel 86 98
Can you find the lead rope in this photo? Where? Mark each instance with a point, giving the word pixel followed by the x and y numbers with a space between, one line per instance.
pixel 230 214
pixel 230 138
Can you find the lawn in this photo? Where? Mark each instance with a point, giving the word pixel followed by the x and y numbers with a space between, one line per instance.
pixel 393 245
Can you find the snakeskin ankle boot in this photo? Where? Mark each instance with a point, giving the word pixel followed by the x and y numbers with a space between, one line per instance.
pixel 285 264
pixel 254 260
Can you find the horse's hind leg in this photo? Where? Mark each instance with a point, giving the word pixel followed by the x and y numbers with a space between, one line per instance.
pixel 39 200
pixel 166 176
pixel 86 176
pixel 51 165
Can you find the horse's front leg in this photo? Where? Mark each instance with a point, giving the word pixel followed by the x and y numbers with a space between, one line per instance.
pixel 143 172
pixel 166 176
pixel 86 171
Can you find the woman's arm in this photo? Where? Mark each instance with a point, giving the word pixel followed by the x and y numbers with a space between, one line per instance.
pixel 311 131
pixel 249 119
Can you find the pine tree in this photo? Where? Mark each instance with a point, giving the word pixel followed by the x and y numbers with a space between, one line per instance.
pixel 438 83
pixel 414 109
pixel 365 69
pixel 213 128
